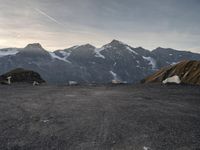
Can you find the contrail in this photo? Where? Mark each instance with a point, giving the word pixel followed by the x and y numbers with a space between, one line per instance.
pixel 44 14
pixel 69 29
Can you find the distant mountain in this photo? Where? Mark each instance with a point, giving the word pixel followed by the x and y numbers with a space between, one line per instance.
pixel 168 56
pixel 33 50
pixel 88 64
pixel 188 72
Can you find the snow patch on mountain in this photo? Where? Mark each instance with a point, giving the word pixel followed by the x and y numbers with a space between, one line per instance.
pixel 114 75
pixel 131 50
pixel 151 60
pixel 138 66
pixel 174 63
pixel 98 52
pixel 65 54
pixel 105 47
pixel 75 47
pixel 8 52
pixel 54 56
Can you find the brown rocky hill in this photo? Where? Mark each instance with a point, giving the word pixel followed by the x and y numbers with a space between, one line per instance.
pixel 187 71
pixel 22 75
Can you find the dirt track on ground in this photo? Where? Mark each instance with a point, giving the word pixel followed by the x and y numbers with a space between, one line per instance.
pixel 136 117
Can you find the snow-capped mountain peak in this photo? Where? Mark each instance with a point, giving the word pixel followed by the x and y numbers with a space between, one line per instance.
pixel 117 42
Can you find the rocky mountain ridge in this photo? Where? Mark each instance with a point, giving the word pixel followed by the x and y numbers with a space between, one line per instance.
pixel 188 72
pixel 88 64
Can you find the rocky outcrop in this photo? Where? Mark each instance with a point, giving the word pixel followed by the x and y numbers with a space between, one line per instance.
pixel 187 71
pixel 21 75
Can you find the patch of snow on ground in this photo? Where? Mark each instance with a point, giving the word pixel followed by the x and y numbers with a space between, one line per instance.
pixel 54 56
pixel 146 148
pixel 174 79
pixel 45 121
pixel 152 61
pixel 8 52
pixel 128 48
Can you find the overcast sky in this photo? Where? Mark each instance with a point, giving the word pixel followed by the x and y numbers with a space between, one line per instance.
pixel 63 23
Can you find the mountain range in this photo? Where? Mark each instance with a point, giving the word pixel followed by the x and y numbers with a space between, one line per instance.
pixel 88 64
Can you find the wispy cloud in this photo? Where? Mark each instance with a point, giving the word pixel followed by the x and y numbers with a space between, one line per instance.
pixel 46 15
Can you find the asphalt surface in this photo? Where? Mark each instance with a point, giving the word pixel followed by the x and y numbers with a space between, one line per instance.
pixel 140 117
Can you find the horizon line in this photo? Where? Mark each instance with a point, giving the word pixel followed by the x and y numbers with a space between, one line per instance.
pixel 67 47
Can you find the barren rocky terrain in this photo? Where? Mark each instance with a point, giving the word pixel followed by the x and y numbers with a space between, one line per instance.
pixel 140 117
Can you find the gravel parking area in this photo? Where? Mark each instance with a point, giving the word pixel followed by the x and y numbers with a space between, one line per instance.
pixel 139 117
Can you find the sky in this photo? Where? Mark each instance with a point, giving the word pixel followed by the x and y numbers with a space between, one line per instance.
pixel 58 24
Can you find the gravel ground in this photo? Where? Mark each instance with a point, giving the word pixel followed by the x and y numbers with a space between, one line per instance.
pixel 140 117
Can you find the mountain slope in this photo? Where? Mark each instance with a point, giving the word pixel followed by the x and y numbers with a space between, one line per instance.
pixel 187 71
